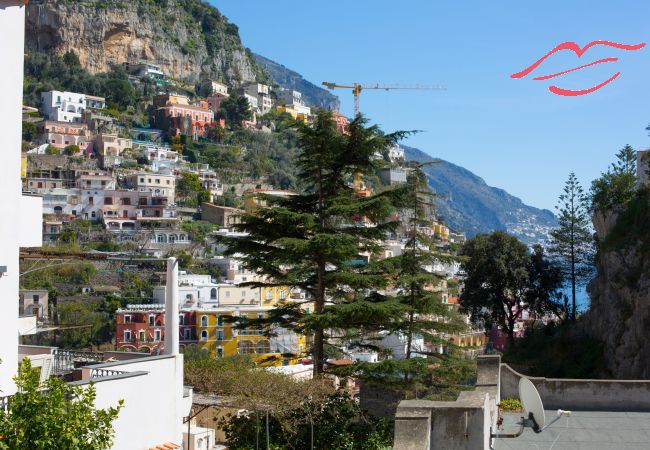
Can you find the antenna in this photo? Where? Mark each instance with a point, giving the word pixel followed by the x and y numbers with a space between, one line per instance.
pixel 535 417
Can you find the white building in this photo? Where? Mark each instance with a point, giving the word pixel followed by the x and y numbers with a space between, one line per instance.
pixel 291 97
pixel 397 344
pixel 396 153
pixel 94 102
pixel 25 230
pixel 214 87
pixel 263 94
pixel 159 185
pixel 63 106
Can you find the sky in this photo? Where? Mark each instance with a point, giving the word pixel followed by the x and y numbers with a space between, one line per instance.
pixel 514 133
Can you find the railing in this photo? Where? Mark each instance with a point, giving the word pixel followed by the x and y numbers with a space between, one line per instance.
pixel 64 360
pixel 101 373
pixel 251 332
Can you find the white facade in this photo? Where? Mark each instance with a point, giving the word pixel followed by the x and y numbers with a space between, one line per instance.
pixel 291 97
pixel 63 106
pixel 397 344
pixel 396 153
pixel 26 230
pixel 158 184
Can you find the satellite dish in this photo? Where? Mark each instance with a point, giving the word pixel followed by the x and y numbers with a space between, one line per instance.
pixel 532 403
pixel 533 409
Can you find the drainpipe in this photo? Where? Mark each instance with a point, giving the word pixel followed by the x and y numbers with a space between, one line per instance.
pixel 171 308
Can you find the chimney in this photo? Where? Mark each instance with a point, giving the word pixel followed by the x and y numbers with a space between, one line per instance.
pixel 171 308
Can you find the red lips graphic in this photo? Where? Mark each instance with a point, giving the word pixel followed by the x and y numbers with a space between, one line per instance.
pixel 579 52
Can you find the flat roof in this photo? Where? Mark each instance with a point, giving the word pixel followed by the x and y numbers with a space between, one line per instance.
pixel 583 430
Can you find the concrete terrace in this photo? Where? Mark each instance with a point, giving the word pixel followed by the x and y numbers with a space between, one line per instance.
pixel 583 430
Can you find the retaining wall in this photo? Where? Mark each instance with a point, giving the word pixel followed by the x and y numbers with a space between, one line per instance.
pixel 585 395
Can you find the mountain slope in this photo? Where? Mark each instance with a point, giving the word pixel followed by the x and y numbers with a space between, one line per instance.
pixel 287 78
pixel 189 39
pixel 470 205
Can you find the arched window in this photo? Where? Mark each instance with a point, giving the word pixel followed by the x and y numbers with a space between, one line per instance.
pixel 213 293
pixel 204 322
pixel 204 335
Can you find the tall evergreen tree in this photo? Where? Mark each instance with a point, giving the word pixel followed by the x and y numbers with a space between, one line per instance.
pixel 412 276
pixel 572 241
pixel 313 240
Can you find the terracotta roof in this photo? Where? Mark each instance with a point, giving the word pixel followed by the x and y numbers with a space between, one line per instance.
pixel 166 446
pixel 452 300
pixel 340 362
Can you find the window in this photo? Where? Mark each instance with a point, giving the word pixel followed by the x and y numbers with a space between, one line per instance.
pixel 219 321
pixel 204 321
pixel 152 320
pixel 149 180
pixel 93 214
pixel 91 200
pixel 127 318
pixel 127 335
pixel 103 182
pixel 282 294
pixel 108 201
pixel 187 334
pixel 213 293
pixel 219 335
pixel 157 180
pixel 181 319
pixel 156 335
pixel 260 315
pixel 141 180
pixel 142 335
pixel 219 352
pixel 269 295
pixel 168 182
pixel 204 335
pixel 126 201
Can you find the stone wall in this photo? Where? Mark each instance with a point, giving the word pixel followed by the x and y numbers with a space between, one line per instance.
pixel 464 424
pixel 590 395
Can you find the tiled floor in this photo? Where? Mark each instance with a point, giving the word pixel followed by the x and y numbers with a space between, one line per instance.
pixel 583 430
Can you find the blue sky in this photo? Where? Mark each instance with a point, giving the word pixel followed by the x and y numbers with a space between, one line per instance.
pixel 513 133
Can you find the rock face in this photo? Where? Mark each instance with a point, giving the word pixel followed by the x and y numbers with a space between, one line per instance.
pixel 620 295
pixel 187 38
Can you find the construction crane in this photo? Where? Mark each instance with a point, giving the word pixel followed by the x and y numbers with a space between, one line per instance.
pixel 358 87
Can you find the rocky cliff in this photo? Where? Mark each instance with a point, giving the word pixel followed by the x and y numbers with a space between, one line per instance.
pixel 620 294
pixel 187 38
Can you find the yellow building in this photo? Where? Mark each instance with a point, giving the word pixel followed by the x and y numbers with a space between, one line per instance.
pixel 216 333
pixel 293 113
pixel 440 231
pixel 254 198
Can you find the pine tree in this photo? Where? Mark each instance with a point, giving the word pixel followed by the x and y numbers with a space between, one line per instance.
pixel 313 240
pixel 572 241
pixel 414 281
pixel 625 161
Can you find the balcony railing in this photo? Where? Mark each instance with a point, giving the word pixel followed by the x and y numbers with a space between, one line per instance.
pixel 64 360
pixel 101 373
